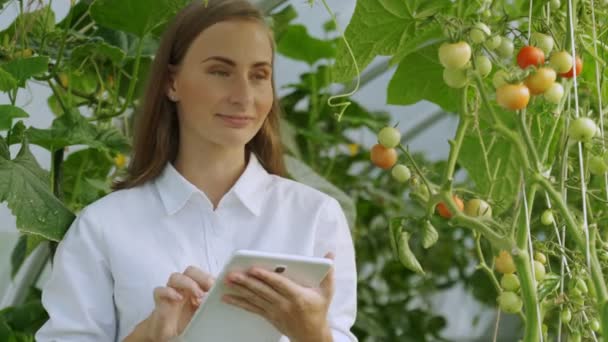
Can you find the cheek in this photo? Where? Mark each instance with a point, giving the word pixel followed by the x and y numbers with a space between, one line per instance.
pixel 265 100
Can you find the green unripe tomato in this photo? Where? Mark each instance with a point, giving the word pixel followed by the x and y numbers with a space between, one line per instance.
pixel 597 166
pixel 540 257
pixel 539 271
pixel 493 42
pixel 566 315
pixel 401 173
pixel 455 78
pixel 509 302
pixel 561 61
pixel 581 285
pixel 555 4
pixel 479 33
pixel 389 137
pixel 547 217
pixel 554 94
pixel 542 41
pixel 505 49
pixel 478 208
pixel 454 55
pixel 509 282
pixel 484 65
pixel 500 78
pixel 594 324
pixel 582 129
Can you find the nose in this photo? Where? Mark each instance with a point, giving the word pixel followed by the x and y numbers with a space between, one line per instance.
pixel 241 92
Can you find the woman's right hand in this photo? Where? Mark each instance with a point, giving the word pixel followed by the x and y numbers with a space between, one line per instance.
pixel 176 303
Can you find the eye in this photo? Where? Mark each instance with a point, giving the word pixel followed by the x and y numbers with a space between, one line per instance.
pixel 220 73
pixel 260 76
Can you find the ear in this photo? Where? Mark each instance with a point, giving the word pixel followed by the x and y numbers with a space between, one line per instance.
pixel 171 88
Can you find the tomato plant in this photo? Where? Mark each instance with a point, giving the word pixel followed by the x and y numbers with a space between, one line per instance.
pixel 540 161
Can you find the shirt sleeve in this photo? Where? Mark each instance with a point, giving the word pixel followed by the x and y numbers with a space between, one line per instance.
pixel 78 295
pixel 333 235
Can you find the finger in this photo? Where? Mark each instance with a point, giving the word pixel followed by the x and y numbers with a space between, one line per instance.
pixel 166 294
pixel 256 286
pixel 185 284
pixel 327 284
pixel 244 292
pixel 283 285
pixel 243 304
pixel 204 279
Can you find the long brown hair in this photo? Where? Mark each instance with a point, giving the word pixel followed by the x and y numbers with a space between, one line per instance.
pixel 156 130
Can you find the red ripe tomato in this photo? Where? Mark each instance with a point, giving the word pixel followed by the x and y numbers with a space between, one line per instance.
pixel 579 68
pixel 513 96
pixel 530 55
pixel 443 210
pixel 383 157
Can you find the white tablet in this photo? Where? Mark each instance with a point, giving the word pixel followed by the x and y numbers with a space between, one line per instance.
pixel 217 321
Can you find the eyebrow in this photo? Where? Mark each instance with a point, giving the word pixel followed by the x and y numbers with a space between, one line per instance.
pixel 233 63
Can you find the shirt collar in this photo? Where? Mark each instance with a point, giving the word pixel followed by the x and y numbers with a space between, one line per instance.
pixel 250 188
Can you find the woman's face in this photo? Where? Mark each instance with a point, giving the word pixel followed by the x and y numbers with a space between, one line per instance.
pixel 223 86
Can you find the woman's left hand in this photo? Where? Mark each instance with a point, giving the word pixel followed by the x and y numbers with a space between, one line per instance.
pixel 298 312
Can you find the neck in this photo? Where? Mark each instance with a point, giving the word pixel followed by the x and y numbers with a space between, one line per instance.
pixel 211 168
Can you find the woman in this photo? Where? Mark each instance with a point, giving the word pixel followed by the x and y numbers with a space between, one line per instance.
pixel 204 180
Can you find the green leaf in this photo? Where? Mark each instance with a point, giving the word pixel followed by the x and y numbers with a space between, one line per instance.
pixel 25 186
pixel 138 17
pixel 18 256
pixel 301 172
pixel 8 113
pixel 7 81
pixel 297 44
pixel 281 20
pixel 384 28
pixel 549 284
pixel 394 231
pixel 72 128
pixel 429 234
pixel 423 36
pixel 422 69
pixel 4 151
pixel 99 51
pixel 23 68
pixel 501 155
pixel 24 247
pixel 406 256
pixel 78 168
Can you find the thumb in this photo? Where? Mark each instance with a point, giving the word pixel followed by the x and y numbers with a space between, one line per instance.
pixel 327 285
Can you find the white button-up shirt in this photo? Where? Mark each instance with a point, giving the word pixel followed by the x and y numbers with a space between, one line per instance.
pixel 124 245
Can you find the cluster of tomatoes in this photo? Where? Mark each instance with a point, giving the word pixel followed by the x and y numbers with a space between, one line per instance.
pixel 384 155
pixel 509 300
pixel 513 90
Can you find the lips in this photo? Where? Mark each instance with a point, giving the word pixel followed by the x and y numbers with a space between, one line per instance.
pixel 235 121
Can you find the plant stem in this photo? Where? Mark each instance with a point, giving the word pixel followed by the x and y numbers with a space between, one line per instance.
pixel 497 240
pixel 484 266
pixel 528 140
pixel 463 124
pixel 522 232
pixel 133 80
pixel 528 291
